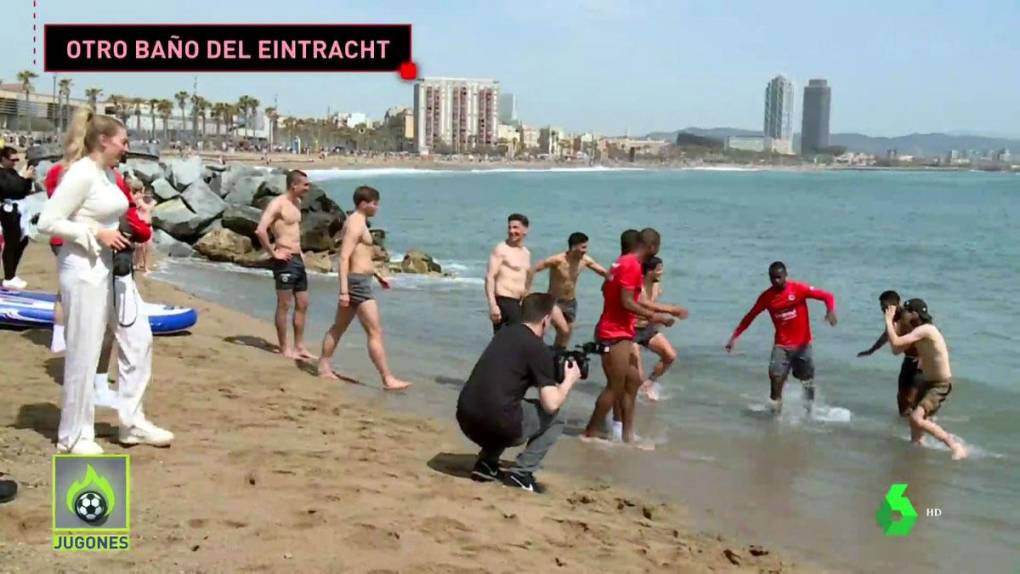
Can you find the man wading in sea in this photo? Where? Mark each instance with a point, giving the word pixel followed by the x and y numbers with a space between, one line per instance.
pixel 283 216
pixel 564 269
pixel 356 274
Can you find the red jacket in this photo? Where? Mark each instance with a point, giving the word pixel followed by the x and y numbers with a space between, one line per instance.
pixel 141 230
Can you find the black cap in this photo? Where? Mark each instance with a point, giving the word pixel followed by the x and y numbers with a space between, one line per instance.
pixel 920 307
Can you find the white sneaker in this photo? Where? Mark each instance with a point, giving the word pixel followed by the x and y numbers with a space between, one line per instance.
pixel 16 283
pixel 83 446
pixel 617 431
pixel 145 433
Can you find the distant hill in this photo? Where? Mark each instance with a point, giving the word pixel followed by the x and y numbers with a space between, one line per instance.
pixel 926 145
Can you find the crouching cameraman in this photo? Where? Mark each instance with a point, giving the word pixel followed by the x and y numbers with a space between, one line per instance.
pixel 492 410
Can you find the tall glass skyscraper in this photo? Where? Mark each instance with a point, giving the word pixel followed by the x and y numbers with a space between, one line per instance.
pixel 779 109
pixel 814 131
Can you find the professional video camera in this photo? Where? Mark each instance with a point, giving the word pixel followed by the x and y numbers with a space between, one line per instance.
pixel 579 355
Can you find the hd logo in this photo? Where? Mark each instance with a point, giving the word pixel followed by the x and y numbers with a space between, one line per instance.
pixel 896 501
pixel 91 503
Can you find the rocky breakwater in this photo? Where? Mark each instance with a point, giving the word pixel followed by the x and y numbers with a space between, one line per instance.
pixel 212 210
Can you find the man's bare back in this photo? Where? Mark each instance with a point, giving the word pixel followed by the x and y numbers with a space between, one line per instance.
pixel 361 259
pixel 933 353
pixel 512 271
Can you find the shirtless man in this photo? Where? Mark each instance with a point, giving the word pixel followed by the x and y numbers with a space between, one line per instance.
pixel 910 372
pixel 356 273
pixel 508 276
pixel 564 270
pixel 283 217
pixel 934 359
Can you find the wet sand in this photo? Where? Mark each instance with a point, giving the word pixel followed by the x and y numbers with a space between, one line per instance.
pixel 274 469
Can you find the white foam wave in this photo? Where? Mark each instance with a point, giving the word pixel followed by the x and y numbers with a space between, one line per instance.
pixel 335 173
pixel 579 169
pixel 719 168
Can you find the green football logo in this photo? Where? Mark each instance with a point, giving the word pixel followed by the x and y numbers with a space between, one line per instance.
pixel 896 501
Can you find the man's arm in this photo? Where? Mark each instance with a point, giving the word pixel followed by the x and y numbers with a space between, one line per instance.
pixel 902 343
pixel 551 395
pixel 13 186
pixel 749 318
pixel 495 260
pixel 352 234
pixel 822 295
pixel 882 340
pixel 591 264
pixel 262 231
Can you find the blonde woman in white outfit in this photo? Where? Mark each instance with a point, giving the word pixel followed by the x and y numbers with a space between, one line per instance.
pixel 85 212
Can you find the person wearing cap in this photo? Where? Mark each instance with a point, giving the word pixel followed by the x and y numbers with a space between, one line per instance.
pixel 938 377
pixel 910 370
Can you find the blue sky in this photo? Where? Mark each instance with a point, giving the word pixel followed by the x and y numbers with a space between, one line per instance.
pixel 608 66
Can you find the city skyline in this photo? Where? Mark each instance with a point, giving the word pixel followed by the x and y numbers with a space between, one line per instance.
pixel 892 78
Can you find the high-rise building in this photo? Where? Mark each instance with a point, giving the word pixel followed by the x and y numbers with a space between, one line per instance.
pixel 508 108
pixel 814 131
pixel 779 109
pixel 456 114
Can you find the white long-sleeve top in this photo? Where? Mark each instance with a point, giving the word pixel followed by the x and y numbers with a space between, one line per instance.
pixel 86 201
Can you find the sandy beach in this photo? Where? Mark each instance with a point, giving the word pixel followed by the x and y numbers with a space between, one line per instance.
pixel 276 470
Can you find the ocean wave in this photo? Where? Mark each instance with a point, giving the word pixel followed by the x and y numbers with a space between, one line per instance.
pixel 719 168
pixel 580 169
pixel 335 173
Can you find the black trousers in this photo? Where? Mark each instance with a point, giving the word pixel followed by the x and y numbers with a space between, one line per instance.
pixel 14 242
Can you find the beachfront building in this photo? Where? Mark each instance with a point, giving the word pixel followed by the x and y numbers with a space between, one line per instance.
pixel 455 114
pixel 779 115
pixel 630 148
pixel 549 141
pixel 351 119
pixel 38 113
pixel 508 109
pixel 814 131
pixel 401 118
pixel 746 143
pixel 528 137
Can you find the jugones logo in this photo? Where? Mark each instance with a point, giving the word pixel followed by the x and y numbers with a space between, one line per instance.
pixel 91 503
pixel 896 501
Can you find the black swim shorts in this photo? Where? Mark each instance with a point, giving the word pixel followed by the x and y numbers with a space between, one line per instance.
pixel 290 275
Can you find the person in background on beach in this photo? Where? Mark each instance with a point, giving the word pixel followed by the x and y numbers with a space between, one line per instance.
pixel 616 329
pixel 356 273
pixel 910 370
pixel 938 377
pixel 507 276
pixel 492 410
pixel 564 270
pixel 648 335
pixel 86 211
pixel 786 302
pixel 283 217
pixel 13 186
pixel 144 203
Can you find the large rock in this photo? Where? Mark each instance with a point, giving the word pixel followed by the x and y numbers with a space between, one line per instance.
pixel 223 245
pixel 165 243
pixel 163 191
pixel 230 177
pixel 416 261
pixel 258 259
pixel 317 200
pixel 318 231
pixel 378 237
pixel 241 219
pixel 241 191
pixel 275 184
pixel 177 219
pixel 319 262
pixel 146 170
pixel 184 172
pixel 206 204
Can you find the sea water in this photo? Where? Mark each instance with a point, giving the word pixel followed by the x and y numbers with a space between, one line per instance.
pixel 811 482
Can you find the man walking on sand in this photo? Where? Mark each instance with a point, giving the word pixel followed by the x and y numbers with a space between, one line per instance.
pixel 938 377
pixel 356 274
pixel 786 302
pixel 283 217
pixel 564 269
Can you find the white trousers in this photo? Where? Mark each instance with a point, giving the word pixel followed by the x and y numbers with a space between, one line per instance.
pixel 90 311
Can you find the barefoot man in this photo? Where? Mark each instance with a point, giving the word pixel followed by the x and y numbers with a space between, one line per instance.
pixel 934 358
pixel 283 217
pixel 507 277
pixel 564 270
pixel 356 274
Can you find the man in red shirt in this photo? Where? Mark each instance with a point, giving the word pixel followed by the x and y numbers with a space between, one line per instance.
pixel 786 302
pixel 617 326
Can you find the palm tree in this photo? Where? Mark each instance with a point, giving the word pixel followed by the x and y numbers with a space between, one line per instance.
pixel 26 77
pixel 242 108
pixel 202 106
pixel 120 107
pixel 166 110
pixel 217 115
pixel 65 93
pixel 253 108
pixel 273 115
pixel 136 104
pixel 182 100
pixel 153 102
pixel 93 95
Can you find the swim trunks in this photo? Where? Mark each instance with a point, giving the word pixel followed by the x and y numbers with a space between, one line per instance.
pixel 359 287
pixel 799 359
pixel 290 275
pixel 933 394
pixel 510 311
pixel 569 309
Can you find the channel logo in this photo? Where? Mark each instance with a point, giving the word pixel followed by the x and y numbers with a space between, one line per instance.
pixel 91 503
pixel 896 501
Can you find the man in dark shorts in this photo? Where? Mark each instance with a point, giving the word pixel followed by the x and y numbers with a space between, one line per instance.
pixel 283 217
pixel 786 302
pixel 508 274
pixel 492 410
pixel 564 270
pixel 910 370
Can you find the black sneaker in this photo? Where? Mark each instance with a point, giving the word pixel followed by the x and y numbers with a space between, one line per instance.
pixel 8 490
pixel 523 481
pixel 485 471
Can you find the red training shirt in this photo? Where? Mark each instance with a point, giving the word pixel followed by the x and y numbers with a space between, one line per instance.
pixel 617 322
pixel 142 231
pixel 789 312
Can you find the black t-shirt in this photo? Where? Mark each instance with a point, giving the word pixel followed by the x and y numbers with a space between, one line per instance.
pixel 490 401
